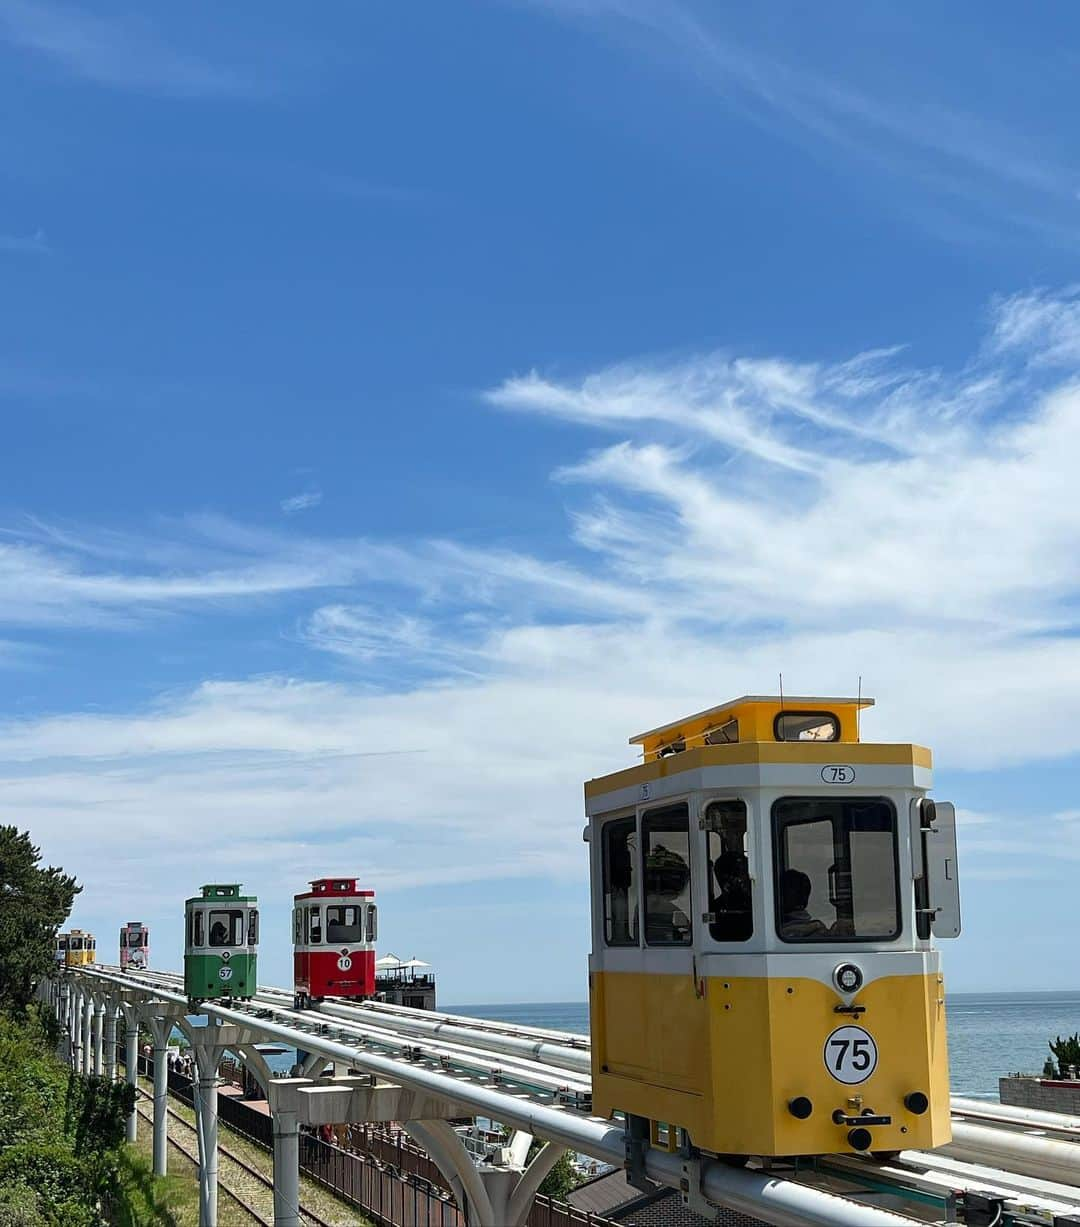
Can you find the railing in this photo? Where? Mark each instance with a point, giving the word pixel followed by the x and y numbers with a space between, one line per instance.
pixel 379 1170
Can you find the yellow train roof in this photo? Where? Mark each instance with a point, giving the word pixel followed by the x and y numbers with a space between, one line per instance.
pixel 751 717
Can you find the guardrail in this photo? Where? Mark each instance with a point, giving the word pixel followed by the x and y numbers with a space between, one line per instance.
pixel 384 1173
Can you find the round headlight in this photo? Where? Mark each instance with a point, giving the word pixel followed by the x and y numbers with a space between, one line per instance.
pixel 848 978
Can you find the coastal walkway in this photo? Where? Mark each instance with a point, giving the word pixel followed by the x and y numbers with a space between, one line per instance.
pixel 425 1069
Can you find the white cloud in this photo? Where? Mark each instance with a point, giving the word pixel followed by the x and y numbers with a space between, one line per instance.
pixel 925 539
pixel 301 502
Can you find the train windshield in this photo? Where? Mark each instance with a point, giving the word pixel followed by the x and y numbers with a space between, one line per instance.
pixel 836 870
pixel 343 924
pixel 227 928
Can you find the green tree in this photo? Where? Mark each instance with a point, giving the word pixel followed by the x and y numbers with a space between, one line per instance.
pixel 1067 1054
pixel 561 1180
pixel 34 902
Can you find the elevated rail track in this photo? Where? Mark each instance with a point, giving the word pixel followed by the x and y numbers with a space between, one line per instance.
pixel 537 1081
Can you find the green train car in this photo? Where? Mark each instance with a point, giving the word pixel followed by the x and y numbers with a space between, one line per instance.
pixel 221 943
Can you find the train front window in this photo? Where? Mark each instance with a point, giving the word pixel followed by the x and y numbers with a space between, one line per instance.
pixel 253 927
pixel 806 726
pixel 620 883
pixel 315 925
pixel 344 924
pixel 836 870
pixel 732 916
pixel 372 923
pixel 227 928
pixel 665 839
pixel 197 925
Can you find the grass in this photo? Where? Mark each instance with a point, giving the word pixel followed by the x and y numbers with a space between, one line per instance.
pixel 313 1196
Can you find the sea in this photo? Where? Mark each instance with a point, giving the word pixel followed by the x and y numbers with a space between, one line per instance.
pixel 990 1034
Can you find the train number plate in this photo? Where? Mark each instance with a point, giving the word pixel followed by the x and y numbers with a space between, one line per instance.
pixel 224 973
pixel 850 1055
pixel 344 963
pixel 838 773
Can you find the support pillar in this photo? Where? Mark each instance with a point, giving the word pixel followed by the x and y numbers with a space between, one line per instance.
pixel 286 1169
pixel 110 1041
pixel 497 1194
pixel 161 1029
pixel 131 1065
pixel 99 1041
pixel 75 1029
pixel 206 1124
pixel 87 1034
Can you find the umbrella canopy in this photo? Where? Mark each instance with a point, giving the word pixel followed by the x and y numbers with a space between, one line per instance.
pixel 388 962
pixel 415 963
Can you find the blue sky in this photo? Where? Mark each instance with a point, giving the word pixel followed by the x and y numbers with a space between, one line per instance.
pixel 402 405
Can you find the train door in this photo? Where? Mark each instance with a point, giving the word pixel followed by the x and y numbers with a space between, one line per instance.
pixel 648 989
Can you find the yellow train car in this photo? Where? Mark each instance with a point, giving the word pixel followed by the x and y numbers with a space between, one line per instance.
pixel 81 948
pixel 763 980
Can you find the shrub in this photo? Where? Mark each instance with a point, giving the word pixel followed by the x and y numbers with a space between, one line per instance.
pixel 1067 1054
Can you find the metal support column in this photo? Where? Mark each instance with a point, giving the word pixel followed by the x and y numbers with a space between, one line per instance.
pixel 99 1041
pixel 160 1029
pixel 131 1064
pixel 206 1123
pixel 75 1029
pixel 110 1041
pixel 87 1034
pixel 286 1169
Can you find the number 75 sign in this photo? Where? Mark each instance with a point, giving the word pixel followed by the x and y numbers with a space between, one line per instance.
pixel 850 1055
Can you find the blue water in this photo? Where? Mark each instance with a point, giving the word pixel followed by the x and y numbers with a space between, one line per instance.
pixel 990 1034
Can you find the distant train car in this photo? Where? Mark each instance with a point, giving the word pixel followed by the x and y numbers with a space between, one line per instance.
pixel 81 949
pixel 221 943
pixel 60 956
pixel 765 893
pixel 335 925
pixel 134 946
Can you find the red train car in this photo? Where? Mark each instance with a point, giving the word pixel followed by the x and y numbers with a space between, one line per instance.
pixel 335 925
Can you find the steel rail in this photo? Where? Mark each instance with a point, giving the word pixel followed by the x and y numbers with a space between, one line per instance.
pixel 193 1158
pixel 758 1194
pixel 248 1168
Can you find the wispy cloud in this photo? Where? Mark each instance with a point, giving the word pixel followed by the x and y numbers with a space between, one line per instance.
pixel 999 177
pixel 124 53
pixel 25 245
pixel 741 516
pixel 301 502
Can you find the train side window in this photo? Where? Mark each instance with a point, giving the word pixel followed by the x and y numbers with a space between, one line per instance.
pixel 372 923
pixel 314 925
pixel 730 904
pixel 836 865
pixel 620 882
pixel 665 839
pixel 806 726
pixel 298 926
pixel 123 939
pixel 197 931
pixel 343 924
pixel 253 927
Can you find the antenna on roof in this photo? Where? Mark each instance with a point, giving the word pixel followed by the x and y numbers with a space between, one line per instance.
pixel 781 694
pixel 858 709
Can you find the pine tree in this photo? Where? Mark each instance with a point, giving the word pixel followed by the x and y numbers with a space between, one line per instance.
pixel 34 902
